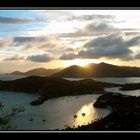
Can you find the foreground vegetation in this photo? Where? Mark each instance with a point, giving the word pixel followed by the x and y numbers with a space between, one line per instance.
pixel 5 117
pixel 132 86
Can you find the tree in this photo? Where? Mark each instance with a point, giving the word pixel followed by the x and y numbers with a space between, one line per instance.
pixel 5 117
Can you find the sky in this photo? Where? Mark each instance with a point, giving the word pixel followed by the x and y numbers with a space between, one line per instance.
pixel 60 38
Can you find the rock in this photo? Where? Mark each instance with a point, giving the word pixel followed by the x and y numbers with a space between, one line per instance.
pixel 39 101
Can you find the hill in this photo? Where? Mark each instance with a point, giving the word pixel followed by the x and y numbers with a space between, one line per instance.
pixel 37 72
pixel 98 70
pixel 50 87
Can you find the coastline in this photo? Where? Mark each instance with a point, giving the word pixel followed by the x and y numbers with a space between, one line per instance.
pixel 117 105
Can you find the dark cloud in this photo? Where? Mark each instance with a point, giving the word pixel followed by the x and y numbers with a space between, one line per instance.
pixel 133 41
pixel 41 42
pixel 41 20
pixel 113 40
pixel 69 56
pixel 99 27
pixel 40 58
pixel 30 39
pixel 16 20
pixel 110 46
pixel 12 20
pixel 24 39
pixel 92 29
pixel 14 58
pixel 137 56
pixel 69 50
pixel 123 53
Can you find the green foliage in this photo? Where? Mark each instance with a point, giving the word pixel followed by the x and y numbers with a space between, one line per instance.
pixel 5 117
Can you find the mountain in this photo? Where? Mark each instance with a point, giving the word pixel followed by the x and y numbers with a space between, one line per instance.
pixel 98 70
pixel 37 72
pixel 72 71
pixel 16 73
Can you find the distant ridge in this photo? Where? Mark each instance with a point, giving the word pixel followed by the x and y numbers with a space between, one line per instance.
pixel 90 70
pixel 37 72
pixel 98 70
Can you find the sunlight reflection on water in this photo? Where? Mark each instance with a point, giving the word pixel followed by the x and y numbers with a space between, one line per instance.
pixel 87 114
pixel 82 119
pixel 56 112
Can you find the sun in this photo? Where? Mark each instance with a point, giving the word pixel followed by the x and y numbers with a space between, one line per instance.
pixel 83 62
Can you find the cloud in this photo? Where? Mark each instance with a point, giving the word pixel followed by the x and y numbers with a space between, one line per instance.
pixel 132 33
pixel 33 39
pixel 23 39
pixel 69 15
pixel 41 20
pixel 7 41
pixel 39 58
pixel 14 58
pixel 28 40
pixel 69 50
pixel 115 39
pixel 92 29
pixel 23 20
pixel 89 17
pixel 99 27
pixel 11 20
pixel 137 56
pixel 38 43
pixel 69 56
pixel 109 46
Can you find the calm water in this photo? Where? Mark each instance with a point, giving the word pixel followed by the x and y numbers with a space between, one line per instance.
pixel 110 80
pixel 56 112
pixel 116 90
pixel 6 77
pixel 118 81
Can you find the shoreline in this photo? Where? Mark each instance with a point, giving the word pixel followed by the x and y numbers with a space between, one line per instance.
pixel 49 87
pixel 127 106
pixel 124 116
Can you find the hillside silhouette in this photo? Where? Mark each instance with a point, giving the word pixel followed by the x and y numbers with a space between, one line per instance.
pixel 50 87
pixel 37 72
pixel 98 70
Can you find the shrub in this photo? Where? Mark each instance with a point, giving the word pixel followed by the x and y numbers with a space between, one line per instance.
pixel 5 117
